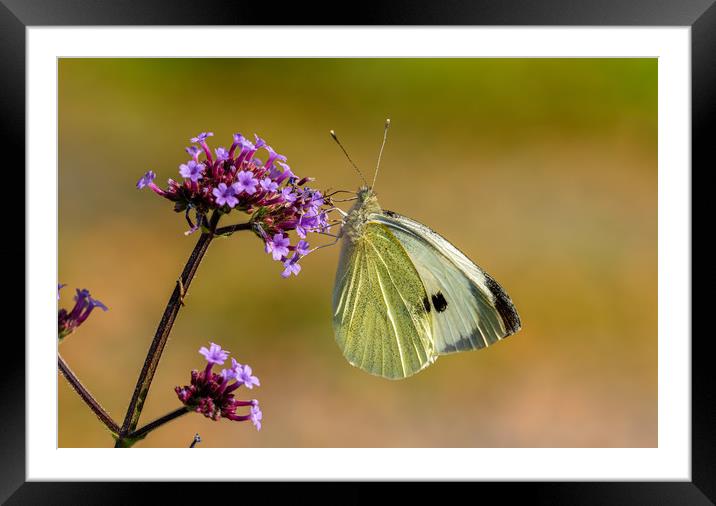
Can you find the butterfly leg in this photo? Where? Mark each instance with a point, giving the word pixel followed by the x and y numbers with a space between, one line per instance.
pixel 330 192
pixel 337 238
pixel 332 224
pixel 340 211
pixel 329 235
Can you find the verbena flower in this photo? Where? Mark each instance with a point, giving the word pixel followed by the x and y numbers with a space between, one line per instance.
pixel 276 200
pixel 256 415
pixel 278 246
pixel 214 354
pixel 147 178
pixel 225 195
pixel 212 394
pixel 302 248
pixel 291 266
pixel 202 137
pixel 269 184
pixel 246 182
pixel 68 321
pixel 221 154
pixel 191 170
pixel 246 377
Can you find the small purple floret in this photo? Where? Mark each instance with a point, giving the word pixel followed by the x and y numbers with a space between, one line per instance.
pixel 291 266
pixel 273 156
pixel 278 246
pixel 97 303
pixel 191 170
pixel 236 368
pixel 202 137
pixel 147 178
pixel 225 195
pixel 214 354
pixel 302 248
pixel 246 377
pixel 221 154
pixel 268 185
pixel 285 174
pixel 260 143
pixel 289 195
pixel 246 182
pixel 256 415
pixel 194 152
pixel 246 144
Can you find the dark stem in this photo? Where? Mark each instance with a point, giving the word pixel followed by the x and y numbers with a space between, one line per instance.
pixel 86 396
pixel 234 228
pixel 143 431
pixel 163 330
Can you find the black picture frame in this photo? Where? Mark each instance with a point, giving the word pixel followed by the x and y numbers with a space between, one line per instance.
pixel 700 15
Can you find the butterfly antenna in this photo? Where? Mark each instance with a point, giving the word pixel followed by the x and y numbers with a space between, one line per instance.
pixel 380 155
pixel 335 138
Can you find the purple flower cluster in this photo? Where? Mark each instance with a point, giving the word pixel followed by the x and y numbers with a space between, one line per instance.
pixel 67 322
pixel 211 393
pixel 234 179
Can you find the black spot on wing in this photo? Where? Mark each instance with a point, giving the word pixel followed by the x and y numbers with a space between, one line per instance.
pixel 504 306
pixel 390 213
pixel 439 302
pixel 426 304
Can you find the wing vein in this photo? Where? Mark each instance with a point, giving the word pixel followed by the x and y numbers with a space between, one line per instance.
pixel 391 318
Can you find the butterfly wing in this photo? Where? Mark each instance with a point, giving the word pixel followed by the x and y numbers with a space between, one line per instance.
pixel 379 316
pixel 470 310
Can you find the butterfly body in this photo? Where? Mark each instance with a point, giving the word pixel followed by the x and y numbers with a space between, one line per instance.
pixel 359 215
pixel 404 295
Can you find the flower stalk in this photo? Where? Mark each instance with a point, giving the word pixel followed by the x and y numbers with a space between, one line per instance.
pixel 161 336
pixel 146 429
pixel 87 396
pixel 228 230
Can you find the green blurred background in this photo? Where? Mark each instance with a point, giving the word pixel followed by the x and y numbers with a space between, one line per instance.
pixel 543 171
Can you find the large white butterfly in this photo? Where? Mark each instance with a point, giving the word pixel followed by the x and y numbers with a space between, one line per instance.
pixel 404 295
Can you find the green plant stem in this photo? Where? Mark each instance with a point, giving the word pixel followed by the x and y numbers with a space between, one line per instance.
pixel 143 431
pixel 233 228
pixel 86 396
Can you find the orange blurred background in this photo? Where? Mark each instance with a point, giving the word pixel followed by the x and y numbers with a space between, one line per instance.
pixel 543 171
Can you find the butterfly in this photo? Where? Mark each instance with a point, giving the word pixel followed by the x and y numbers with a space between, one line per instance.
pixel 404 295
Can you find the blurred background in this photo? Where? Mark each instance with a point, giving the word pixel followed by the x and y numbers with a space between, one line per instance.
pixel 543 171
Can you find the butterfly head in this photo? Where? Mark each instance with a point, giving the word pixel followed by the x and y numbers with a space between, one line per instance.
pixel 367 200
pixel 365 193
